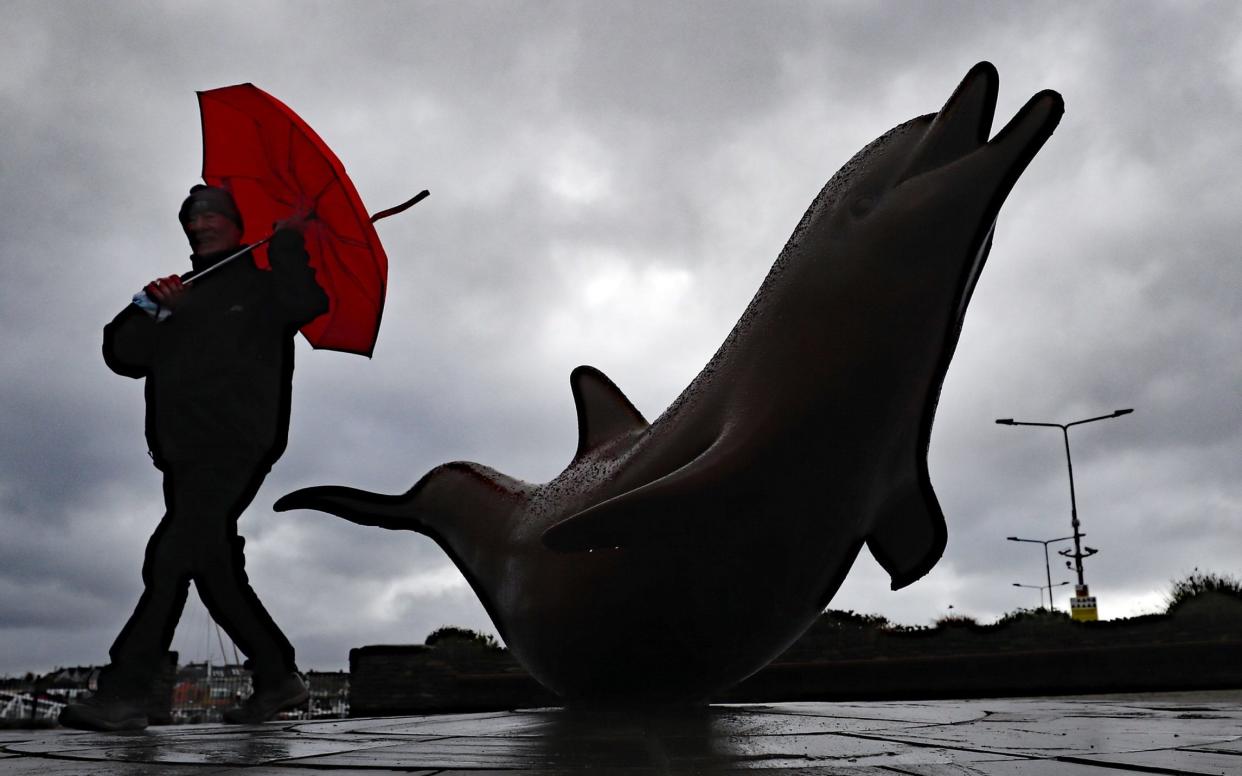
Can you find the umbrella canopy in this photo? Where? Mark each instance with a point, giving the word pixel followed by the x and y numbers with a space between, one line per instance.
pixel 276 165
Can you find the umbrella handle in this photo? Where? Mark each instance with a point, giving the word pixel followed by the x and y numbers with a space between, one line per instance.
pixel 226 260
pixel 392 211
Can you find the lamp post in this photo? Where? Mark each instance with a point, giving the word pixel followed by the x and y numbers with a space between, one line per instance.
pixel 1083 605
pixel 1041 589
pixel 1047 564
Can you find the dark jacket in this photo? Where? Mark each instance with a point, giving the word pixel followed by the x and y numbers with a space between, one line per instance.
pixel 219 370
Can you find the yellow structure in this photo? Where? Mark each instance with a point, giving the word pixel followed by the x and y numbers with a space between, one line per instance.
pixel 1082 605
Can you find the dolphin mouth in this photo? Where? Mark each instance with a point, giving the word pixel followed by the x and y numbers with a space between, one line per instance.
pixel 958 135
pixel 960 131
pixel 1008 153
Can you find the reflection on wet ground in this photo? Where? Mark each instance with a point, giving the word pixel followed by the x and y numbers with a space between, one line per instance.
pixel 1194 733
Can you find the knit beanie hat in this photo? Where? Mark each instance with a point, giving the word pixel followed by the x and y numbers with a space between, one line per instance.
pixel 209 199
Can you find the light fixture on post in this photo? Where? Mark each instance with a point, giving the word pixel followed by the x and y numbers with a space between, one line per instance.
pixel 1041 589
pixel 1047 564
pixel 1083 604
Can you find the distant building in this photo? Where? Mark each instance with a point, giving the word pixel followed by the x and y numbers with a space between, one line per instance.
pixel 203 691
pixel 329 694
pixel 42 697
pixel 187 694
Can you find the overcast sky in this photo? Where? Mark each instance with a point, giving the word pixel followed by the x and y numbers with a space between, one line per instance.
pixel 610 183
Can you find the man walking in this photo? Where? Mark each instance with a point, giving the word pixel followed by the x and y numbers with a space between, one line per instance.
pixel 217 358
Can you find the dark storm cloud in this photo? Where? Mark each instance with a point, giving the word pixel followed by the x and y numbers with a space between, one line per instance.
pixel 610 184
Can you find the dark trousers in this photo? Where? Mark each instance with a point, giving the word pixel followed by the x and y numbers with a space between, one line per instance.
pixel 197 540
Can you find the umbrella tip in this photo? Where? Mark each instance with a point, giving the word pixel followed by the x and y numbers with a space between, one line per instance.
pixel 392 211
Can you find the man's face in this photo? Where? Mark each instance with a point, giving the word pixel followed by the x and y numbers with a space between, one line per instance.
pixel 211 232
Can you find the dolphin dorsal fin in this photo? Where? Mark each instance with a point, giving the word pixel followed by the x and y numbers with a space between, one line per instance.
pixel 603 411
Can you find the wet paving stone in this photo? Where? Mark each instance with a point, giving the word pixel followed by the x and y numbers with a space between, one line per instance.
pixel 265 770
pixel 480 752
pixel 1224 747
pixel 1004 768
pixel 513 723
pixel 924 712
pixel 1173 761
pixel 36 766
pixel 1190 734
pixel 176 745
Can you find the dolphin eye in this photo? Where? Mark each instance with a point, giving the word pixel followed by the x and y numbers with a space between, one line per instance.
pixel 862 206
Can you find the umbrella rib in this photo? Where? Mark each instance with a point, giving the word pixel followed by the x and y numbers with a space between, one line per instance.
pixel 358 281
pixel 337 180
pixel 290 185
pixel 289 161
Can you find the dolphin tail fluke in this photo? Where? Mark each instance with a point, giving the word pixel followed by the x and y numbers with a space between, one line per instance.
pixel 451 492
pixel 357 506
pixel 909 535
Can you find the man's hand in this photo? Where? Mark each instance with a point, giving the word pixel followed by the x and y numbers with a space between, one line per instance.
pixel 166 292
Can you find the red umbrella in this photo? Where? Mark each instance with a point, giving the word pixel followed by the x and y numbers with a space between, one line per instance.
pixel 275 165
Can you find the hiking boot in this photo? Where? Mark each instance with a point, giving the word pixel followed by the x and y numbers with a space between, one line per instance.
pixel 105 712
pixel 268 700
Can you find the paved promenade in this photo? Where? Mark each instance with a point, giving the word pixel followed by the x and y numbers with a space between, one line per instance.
pixel 1194 733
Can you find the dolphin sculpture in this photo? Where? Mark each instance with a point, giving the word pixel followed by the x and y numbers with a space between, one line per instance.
pixel 670 560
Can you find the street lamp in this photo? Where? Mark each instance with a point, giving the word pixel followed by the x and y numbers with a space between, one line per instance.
pixel 1041 589
pixel 1047 564
pixel 1083 607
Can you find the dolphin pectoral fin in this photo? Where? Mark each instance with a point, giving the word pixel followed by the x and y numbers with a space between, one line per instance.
pixel 604 413
pixel 666 509
pixel 631 520
pixel 447 492
pixel 909 535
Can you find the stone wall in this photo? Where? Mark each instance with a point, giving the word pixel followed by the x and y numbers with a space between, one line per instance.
pixel 449 677
pixel 1197 646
